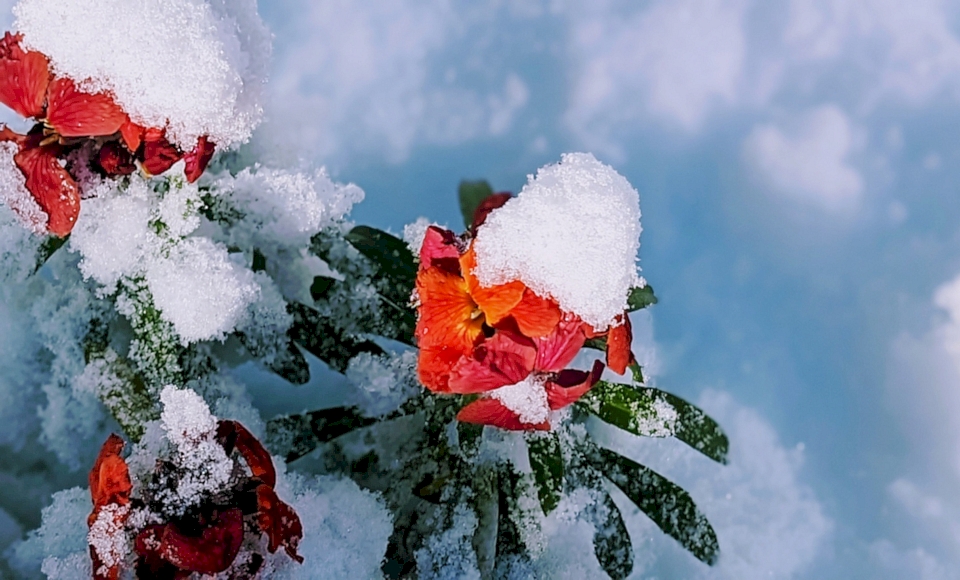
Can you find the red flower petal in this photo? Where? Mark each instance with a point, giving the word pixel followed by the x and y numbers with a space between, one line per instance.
pixel 505 359
pixel 279 522
pixel 493 412
pixel 536 316
pixel 434 365
pixel 24 77
pixel 490 203
pixel 159 154
pixel 440 250
pixel 114 159
pixel 54 189
pixel 77 114
pixel 211 552
pixel 197 159
pixel 557 349
pixel 232 434
pixel 619 355
pixel 447 314
pixel 570 385
pixel 132 135
pixel 109 479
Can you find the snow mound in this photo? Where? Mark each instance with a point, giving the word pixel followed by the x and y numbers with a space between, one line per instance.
pixel 572 234
pixel 194 67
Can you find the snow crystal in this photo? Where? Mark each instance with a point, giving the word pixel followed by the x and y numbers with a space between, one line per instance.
pixel 414 233
pixel 76 566
pixel 449 553
pixel 13 192
pixel 199 290
pixel 194 67
pixel 528 399
pixel 107 535
pixel 62 534
pixel 572 234
pixel 186 417
pixel 384 382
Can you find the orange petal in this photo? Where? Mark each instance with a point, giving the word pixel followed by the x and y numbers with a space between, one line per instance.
pixel 77 114
pixel 434 365
pixel 278 520
pixel 132 135
pixel 619 355
pixel 535 316
pixel 496 302
pixel 109 479
pixel 24 77
pixel 197 159
pixel 493 412
pixel 54 189
pixel 448 316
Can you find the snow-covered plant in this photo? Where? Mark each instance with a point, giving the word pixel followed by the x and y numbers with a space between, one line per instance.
pixel 146 249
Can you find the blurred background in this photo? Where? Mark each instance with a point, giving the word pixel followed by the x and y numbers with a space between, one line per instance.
pixel 797 166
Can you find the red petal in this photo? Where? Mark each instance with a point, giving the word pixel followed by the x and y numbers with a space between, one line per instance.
pixel 158 154
pixel 440 250
pixel 279 522
pixel 570 385
pixel 197 160
pixel 619 355
pixel 447 314
pixel 52 187
pixel 212 552
pixel 24 77
pixel 536 316
pixel 505 359
pixel 114 159
pixel 557 349
pixel 490 203
pixel 232 433
pixel 7 134
pixel 434 365
pixel 132 134
pixel 77 114
pixel 493 412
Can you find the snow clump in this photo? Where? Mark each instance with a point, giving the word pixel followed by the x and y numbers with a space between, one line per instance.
pixel 572 234
pixel 190 66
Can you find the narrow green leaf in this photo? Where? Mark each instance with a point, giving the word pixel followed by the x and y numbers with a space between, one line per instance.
pixel 319 336
pixel 640 298
pixel 611 540
pixel 637 372
pixel 291 365
pixel 388 252
pixel 650 412
pixel 471 194
pixel 546 460
pixel 668 505
pixel 294 436
pixel 48 248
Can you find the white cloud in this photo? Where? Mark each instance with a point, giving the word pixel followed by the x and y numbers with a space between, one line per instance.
pixel 808 160
pixel 675 60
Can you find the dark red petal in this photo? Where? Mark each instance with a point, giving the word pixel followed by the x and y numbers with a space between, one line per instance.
pixel 619 339
pixel 212 552
pixel 490 203
pixel 557 349
pixel 232 433
pixel 24 77
pixel 570 385
pixel 279 522
pixel 505 359
pixel 54 189
pixel 114 159
pixel 77 114
pixel 493 412
pixel 159 154
pixel 132 134
pixel 440 249
pixel 197 159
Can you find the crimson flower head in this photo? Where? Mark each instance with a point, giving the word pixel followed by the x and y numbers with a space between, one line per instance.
pixel 66 118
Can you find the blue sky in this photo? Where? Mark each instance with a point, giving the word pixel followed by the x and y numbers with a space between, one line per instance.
pixel 796 164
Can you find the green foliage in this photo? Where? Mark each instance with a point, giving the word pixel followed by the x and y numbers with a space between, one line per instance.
pixel 319 336
pixel 48 248
pixel 546 460
pixel 640 298
pixel 650 412
pixel 611 540
pixel 389 253
pixel 297 435
pixel 471 194
pixel 664 502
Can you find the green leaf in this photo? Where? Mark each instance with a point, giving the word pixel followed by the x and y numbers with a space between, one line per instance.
pixel 321 285
pixel 388 252
pixel 546 460
pixel 471 194
pixel 611 540
pixel 294 436
pixel 668 505
pixel 319 336
pixel 291 365
pixel 640 298
pixel 650 412
pixel 637 372
pixel 48 248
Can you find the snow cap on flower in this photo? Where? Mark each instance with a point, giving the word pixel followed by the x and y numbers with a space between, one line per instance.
pixel 193 67
pixel 572 234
